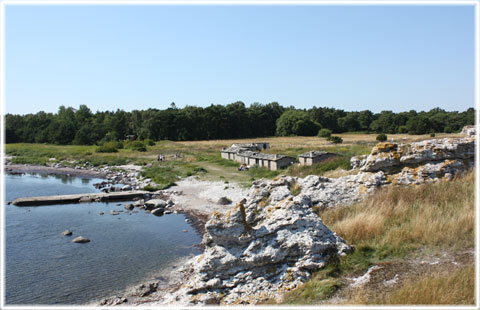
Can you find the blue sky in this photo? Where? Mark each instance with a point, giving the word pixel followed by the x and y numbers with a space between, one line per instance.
pixel 137 57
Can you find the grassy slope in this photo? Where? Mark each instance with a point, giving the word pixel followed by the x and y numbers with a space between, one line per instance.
pixel 400 224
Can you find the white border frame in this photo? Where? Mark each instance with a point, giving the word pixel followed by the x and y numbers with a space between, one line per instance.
pixel 475 3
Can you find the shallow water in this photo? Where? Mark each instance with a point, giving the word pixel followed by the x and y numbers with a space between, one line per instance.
pixel 44 267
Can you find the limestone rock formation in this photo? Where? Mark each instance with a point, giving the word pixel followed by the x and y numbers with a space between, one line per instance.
pixel 421 162
pixel 146 289
pixel 260 249
pixel 470 130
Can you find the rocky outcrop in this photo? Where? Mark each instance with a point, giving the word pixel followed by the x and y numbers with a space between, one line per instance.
pixel 263 247
pixel 421 162
pixel 113 301
pixel 470 130
pixel 272 241
pixel 146 289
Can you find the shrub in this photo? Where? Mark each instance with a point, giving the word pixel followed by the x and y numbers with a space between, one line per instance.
pixel 382 137
pixel 106 149
pixel 149 142
pixel 136 146
pixel 324 133
pixel 432 135
pixel 114 144
pixel 335 139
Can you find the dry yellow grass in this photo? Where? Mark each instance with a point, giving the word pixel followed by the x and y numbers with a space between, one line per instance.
pixel 313 142
pixel 430 215
pixel 452 287
pixel 447 288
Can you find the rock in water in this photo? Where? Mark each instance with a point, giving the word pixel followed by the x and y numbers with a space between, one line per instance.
pixel 157 212
pixel 155 204
pixel 67 233
pixel 81 239
pixel 129 206
pixel 113 212
pixel 224 201
pixel 86 199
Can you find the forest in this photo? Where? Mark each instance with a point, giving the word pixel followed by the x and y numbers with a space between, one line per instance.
pixel 83 127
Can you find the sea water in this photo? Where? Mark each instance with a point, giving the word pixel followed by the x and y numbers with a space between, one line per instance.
pixel 42 266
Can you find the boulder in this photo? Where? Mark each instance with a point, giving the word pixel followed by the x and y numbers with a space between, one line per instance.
pixel 86 199
pixel 155 204
pixel 81 239
pixel 126 188
pixel 113 212
pixel 224 201
pixel 358 161
pixel 129 206
pixel 146 289
pixel 67 233
pixel 113 301
pixel 157 211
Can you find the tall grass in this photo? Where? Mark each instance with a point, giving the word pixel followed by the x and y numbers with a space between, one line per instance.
pixel 452 287
pixel 397 222
pixel 433 215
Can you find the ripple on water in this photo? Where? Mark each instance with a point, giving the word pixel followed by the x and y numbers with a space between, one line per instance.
pixel 45 267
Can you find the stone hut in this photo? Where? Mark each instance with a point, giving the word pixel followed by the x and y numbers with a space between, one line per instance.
pixel 269 161
pixel 248 154
pixel 257 145
pixel 231 152
pixel 313 157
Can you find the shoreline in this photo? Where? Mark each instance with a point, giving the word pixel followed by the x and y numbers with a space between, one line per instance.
pixel 196 200
pixel 25 168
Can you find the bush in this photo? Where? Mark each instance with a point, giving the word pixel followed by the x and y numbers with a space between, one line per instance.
pixel 382 137
pixel 106 149
pixel 136 146
pixel 324 133
pixel 432 135
pixel 149 142
pixel 114 144
pixel 335 139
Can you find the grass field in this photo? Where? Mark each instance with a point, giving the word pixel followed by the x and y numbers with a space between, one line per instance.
pixel 206 155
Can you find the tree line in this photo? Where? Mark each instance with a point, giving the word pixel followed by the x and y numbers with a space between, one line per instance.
pixel 235 120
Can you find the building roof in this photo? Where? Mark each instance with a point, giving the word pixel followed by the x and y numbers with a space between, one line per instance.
pixel 272 157
pixel 313 154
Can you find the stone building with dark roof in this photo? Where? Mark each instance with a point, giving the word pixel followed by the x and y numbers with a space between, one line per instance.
pixel 250 156
pixel 313 157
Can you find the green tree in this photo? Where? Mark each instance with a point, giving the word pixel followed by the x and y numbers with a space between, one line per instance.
pixel 296 123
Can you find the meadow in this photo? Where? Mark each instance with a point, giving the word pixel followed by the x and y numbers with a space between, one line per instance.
pixel 202 158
